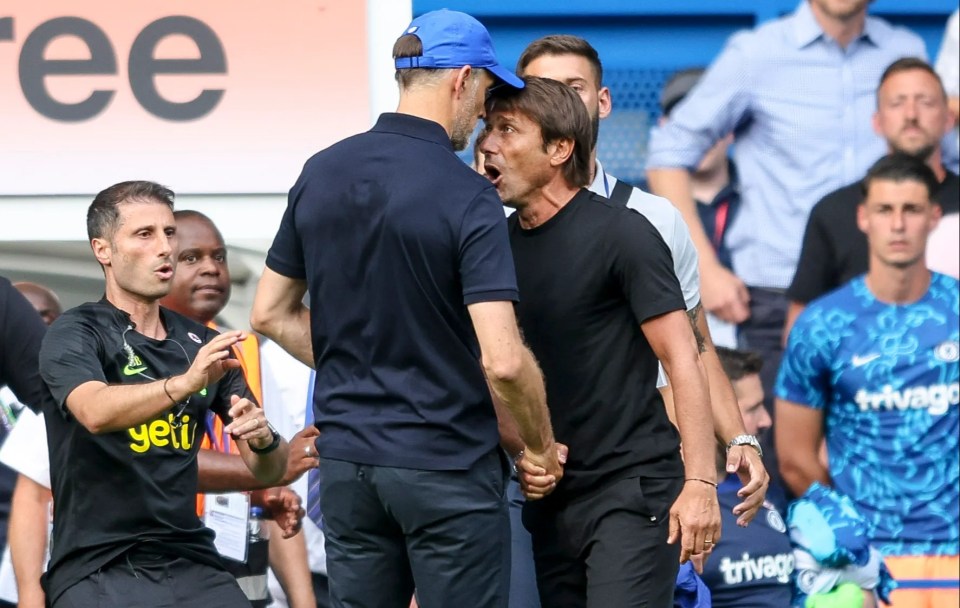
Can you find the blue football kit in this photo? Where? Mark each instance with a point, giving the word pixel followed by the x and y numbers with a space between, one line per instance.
pixel 886 377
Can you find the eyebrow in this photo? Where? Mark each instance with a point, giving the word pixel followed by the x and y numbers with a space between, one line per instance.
pixel 199 250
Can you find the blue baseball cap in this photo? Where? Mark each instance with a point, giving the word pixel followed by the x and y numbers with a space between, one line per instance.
pixel 452 39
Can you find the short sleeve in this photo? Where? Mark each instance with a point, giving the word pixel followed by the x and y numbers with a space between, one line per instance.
pixel 71 355
pixel 804 376
pixel 486 261
pixel 21 334
pixel 666 218
pixel 813 276
pixel 286 253
pixel 685 262
pixel 641 261
pixel 25 448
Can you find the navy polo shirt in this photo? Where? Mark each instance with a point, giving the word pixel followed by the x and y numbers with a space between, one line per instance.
pixel 395 236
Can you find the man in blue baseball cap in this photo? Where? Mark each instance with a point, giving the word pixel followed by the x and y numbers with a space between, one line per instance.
pixel 405 253
pixel 444 52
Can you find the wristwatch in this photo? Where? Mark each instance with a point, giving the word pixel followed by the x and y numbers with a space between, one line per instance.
pixel 273 444
pixel 746 440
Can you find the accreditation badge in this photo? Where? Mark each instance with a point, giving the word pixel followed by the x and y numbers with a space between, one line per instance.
pixel 227 515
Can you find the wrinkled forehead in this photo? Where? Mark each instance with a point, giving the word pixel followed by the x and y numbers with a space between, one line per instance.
pixel 140 211
pixel 503 114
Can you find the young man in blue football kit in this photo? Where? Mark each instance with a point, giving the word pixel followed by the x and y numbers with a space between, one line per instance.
pixel 873 367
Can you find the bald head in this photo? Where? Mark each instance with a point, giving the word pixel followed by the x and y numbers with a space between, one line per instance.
pixel 201 284
pixel 43 300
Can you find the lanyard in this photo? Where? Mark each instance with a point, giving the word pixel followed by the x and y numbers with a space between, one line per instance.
pixel 212 434
pixel 308 419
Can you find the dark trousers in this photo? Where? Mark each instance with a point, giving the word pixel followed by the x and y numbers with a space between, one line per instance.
pixel 143 580
pixel 523 575
pixel 388 530
pixel 321 589
pixel 608 548
pixel 762 333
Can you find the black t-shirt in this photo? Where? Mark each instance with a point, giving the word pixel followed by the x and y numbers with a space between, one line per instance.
pixel 835 250
pixel 588 278
pixel 21 331
pixel 119 489
pixel 395 236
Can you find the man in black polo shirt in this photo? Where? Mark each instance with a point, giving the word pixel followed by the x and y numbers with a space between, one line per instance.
pixel 600 304
pixel 912 115
pixel 405 254
pixel 128 386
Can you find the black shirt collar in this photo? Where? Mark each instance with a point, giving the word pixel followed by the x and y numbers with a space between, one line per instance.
pixel 413 126
pixel 125 320
pixel 583 195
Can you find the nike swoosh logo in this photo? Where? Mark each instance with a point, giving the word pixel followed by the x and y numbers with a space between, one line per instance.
pixel 858 361
pixel 133 371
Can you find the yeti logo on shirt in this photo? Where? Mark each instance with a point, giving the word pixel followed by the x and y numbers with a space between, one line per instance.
pixel 177 434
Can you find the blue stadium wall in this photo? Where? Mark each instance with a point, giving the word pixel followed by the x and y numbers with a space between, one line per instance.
pixel 641 42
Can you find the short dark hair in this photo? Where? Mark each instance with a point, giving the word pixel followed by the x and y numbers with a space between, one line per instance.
pixel 561 44
pixel 102 215
pixel 193 214
pixel 738 364
pixel 678 85
pixel 908 64
pixel 901 167
pixel 559 112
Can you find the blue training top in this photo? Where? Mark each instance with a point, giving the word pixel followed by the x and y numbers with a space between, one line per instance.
pixel 750 567
pixel 887 378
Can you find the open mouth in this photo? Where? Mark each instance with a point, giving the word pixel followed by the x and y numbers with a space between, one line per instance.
pixel 493 174
pixel 164 271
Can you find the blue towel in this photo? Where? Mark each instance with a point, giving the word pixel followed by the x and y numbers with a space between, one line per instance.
pixel 827 525
pixel 691 592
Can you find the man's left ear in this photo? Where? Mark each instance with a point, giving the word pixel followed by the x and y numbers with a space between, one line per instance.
pixel 605 102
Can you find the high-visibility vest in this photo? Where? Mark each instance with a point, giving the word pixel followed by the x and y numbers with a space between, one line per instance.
pixel 248 353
